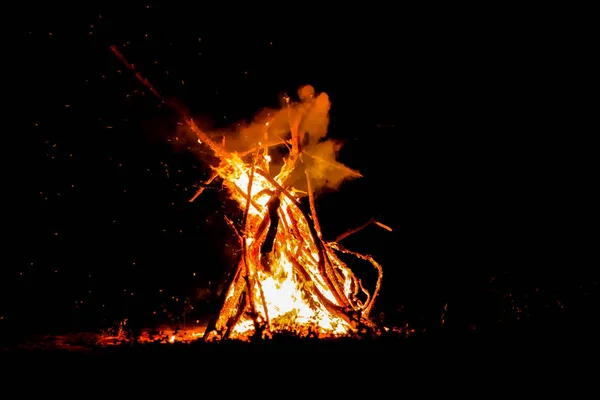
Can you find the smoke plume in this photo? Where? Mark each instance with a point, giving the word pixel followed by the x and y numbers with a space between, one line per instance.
pixel 309 114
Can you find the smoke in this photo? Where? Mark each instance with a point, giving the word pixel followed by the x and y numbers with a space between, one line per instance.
pixel 319 154
pixel 268 127
pixel 316 119
pixel 309 114
pixel 323 168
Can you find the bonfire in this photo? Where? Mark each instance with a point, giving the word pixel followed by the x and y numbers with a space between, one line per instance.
pixel 289 278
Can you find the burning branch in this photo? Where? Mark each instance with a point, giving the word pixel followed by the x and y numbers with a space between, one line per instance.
pixel 261 147
pixel 249 277
pixel 137 74
pixel 361 227
pixel 203 137
pixel 313 210
pixel 237 234
pixel 369 306
pixel 201 188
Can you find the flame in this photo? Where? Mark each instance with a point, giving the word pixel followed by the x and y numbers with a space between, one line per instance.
pixel 301 285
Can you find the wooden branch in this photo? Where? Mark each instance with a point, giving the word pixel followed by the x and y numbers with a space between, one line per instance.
pixel 360 228
pixel 387 228
pixel 323 263
pixel 375 264
pixel 219 151
pixel 313 210
pixel 294 131
pixel 202 188
pixel 264 146
pixel 273 182
pixel 292 158
pixel 248 274
pixel 137 74
pixel 331 279
pixel 240 191
pixel 226 303
pixel 365 292
pixel 202 136
pixel 329 275
pixel 248 197
pixel 237 234
pixel 232 321
pixel 330 306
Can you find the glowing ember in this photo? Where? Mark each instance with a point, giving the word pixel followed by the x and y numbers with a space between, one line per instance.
pixel 288 278
pixel 120 335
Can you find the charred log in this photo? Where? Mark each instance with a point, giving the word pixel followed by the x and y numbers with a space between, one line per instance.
pixel 267 246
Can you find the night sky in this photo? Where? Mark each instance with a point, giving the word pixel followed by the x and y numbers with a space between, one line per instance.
pixel 470 135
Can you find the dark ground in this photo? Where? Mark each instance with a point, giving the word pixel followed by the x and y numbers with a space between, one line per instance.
pixel 471 136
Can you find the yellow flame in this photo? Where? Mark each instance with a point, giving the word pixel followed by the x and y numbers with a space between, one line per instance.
pixel 280 296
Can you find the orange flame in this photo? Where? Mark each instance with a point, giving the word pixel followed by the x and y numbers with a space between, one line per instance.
pixel 300 285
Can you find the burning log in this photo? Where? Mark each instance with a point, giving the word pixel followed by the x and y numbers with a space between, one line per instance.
pixel 288 277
